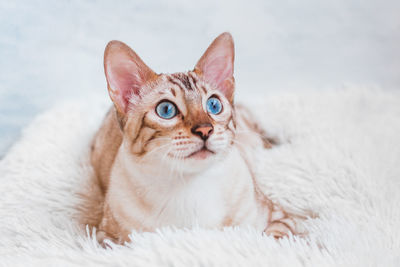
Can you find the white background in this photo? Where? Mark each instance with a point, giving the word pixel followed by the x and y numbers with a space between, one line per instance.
pixel 52 51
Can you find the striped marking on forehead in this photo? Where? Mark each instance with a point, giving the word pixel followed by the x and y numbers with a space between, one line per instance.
pixel 186 81
pixel 196 82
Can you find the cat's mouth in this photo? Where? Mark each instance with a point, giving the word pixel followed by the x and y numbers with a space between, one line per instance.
pixel 202 153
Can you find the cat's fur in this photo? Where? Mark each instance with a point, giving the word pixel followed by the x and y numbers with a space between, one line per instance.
pixel 156 172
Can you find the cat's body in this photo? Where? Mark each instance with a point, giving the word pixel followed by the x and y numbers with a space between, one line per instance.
pixel 176 152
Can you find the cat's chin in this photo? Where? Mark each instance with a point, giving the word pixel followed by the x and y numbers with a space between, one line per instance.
pixel 201 154
pixel 193 163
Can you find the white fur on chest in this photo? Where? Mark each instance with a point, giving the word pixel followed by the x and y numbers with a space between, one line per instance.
pixel 199 200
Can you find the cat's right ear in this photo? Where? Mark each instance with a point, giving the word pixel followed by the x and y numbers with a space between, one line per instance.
pixel 216 64
pixel 126 74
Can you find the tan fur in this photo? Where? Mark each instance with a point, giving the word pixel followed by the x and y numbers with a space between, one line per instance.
pixel 143 164
pixel 105 147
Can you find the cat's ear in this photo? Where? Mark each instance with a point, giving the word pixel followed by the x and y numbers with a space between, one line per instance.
pixel 216 64
pixel 125 72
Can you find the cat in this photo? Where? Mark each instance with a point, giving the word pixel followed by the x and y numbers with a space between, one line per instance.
pixel 174 150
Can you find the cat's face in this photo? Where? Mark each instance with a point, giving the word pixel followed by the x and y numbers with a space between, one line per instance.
pixel 180 121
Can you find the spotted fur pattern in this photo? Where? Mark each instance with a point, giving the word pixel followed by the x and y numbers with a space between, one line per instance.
pixel 156 172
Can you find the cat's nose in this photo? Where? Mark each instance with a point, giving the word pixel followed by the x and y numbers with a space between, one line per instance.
pixel 203 130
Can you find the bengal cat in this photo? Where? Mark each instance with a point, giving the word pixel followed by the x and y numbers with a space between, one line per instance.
pixel 174 150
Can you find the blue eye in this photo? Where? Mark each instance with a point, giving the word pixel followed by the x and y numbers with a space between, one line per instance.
pixel 166 110
pixel 214 106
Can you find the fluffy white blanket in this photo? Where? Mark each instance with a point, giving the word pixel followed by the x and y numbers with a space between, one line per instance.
pixel 339 157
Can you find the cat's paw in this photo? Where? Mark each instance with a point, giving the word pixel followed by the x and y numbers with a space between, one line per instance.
pixel 280 229
pixel 104 239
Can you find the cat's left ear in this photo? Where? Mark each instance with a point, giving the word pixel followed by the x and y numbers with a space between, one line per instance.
pixel 126 74
pixel 216 64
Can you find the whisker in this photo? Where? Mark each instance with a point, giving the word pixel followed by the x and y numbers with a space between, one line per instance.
pixel 153 151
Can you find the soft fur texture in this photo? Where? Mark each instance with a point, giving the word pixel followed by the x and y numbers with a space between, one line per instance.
pixel 339 158
pixel 164 156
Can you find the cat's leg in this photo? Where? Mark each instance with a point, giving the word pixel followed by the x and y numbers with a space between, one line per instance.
pixel 109 229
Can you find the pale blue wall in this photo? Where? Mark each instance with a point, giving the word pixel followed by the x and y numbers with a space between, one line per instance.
pixel 51 51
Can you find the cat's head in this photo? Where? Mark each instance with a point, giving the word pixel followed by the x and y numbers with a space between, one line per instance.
pixel 182 120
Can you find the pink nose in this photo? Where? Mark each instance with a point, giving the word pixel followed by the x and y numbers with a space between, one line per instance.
pixel 203 130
